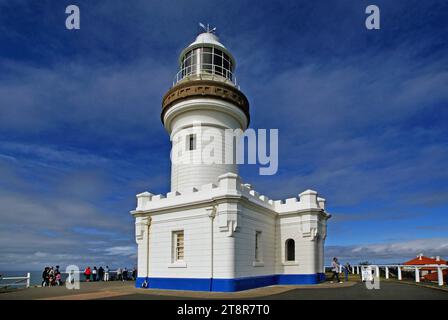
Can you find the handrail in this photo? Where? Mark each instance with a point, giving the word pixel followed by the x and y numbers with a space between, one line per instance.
pixel 206 70
pixel 27 278
pixel 400 267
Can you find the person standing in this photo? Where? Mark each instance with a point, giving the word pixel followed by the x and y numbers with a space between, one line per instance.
pixel 106 273
pixel 335 269
pixel 51 279
pixel 58 276
pixel 87 274
pixel 100 273
pixel 94 273
pixel 125 274
pixel 58 279
pixel 346 269
pixel 45 277
pixel 119 274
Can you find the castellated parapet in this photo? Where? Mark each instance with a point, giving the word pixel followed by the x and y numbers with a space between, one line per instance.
pixel 230 185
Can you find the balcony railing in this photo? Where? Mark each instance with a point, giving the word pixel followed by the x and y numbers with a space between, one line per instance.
pixel 206 72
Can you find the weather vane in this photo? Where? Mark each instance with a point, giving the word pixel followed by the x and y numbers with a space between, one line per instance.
pixel 207 28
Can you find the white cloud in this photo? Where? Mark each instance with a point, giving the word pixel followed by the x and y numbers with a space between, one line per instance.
pixel 121 251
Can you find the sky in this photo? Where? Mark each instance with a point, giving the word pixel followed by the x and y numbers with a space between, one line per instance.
pixel 362 118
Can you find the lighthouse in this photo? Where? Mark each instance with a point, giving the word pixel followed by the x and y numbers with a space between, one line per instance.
pixel 204 93
pixel 212 231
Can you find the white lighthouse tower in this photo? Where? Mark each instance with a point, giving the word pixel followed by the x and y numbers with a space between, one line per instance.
pixel 212 232
pixel 202 104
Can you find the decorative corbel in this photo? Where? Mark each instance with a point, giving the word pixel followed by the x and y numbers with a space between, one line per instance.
pixel 228 222
pixel 141 226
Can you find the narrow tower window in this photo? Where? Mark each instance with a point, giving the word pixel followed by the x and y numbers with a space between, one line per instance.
pixel 290 253
pixel 191 142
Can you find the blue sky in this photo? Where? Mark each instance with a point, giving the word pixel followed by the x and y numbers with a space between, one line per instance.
pixel 361 114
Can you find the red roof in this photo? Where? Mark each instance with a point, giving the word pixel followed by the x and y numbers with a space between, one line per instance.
pixel 424 260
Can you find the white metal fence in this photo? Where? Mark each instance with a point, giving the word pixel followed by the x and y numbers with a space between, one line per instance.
pixel 25 281
pixel 416 269
pixel 16 281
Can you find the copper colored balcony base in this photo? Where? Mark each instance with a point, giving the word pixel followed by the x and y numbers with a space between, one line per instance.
pixel 207 89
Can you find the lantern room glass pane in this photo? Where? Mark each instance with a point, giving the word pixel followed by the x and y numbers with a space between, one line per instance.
pixel 226 64
pixel 217 60
pixel 207 62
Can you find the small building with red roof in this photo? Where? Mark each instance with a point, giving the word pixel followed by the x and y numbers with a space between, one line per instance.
pixel 428 273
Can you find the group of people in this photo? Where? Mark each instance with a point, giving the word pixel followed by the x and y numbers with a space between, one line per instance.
pixel 103 274
pixel 336 268
pixel 124 274
pixel 51 276
pixel 100 274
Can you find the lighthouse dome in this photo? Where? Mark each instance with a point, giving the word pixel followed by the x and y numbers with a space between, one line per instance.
pixel 207 38
pixel 206 59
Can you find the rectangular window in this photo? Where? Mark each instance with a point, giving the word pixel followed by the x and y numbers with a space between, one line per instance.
pixel 207 62
pixel 258 246
pixel 191 142
pixel 178 249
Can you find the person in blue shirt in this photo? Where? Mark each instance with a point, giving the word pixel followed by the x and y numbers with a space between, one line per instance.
pixel 346 269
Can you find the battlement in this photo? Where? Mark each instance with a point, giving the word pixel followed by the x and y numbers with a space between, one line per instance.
pixel 308 199
pixel 305 200
pixel 148 201
pixel 229 184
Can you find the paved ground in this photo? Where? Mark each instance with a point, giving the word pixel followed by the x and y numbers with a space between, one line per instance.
pixel 387 291
pixel 351 290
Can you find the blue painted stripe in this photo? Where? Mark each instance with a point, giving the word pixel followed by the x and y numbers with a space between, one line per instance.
pixel 238 284
pixel 229 285
pixel 298 278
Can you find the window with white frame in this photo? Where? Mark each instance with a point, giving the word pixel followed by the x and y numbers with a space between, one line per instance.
pixel 258 256
pixel 178 246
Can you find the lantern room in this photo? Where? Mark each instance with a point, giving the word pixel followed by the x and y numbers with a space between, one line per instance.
pixel 206 59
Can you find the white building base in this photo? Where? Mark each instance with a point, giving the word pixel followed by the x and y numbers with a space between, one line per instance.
pixel 220 224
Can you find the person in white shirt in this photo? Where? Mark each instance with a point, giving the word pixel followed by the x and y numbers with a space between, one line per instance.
pixel 335 268
pixel 106 273
pixel 119 275
pixel 94 273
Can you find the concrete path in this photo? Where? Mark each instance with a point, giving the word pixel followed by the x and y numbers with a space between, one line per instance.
pixel 351 290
